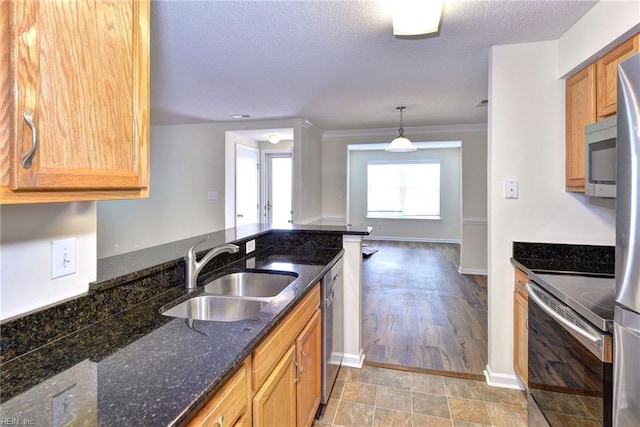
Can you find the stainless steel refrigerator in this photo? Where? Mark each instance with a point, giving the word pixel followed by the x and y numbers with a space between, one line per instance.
pixel 626 365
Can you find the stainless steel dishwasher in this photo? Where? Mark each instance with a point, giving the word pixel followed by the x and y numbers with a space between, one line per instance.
pixel 332 329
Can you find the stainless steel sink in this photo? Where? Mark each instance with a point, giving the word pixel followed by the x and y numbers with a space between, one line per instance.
pixel 249 284
pixel 212 308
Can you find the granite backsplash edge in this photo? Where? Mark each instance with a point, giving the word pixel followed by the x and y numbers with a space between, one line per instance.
pixel 30 331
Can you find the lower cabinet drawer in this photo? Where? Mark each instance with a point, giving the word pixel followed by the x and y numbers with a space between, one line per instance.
pixel 229 406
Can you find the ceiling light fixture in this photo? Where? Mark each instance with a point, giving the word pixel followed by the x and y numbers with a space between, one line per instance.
pixel 416 17
pixel 400 144
pixel 274 139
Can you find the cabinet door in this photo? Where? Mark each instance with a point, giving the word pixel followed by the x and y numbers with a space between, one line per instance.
pixel 581 111
pixel 520 336
pixel 81 69
pixel 275 403
pixel 308 354
pixel 229 406
pixel 607 75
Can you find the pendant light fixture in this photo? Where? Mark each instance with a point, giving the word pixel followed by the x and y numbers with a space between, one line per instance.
pixel 400 144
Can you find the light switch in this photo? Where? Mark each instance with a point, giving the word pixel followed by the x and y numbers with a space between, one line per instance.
pixel 511 189
pixel 63 257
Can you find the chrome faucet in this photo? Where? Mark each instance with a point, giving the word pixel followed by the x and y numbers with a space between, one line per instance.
pixel 194 267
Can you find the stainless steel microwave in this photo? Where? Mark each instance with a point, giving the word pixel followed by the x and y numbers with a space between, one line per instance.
pixel 600 154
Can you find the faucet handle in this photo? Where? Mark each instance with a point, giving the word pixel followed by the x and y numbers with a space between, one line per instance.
pixel 190 252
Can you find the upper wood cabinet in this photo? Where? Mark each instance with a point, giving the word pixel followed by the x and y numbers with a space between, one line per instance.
pixel 607 68
pixel 581 111
pixel 77 87
pixel 591 96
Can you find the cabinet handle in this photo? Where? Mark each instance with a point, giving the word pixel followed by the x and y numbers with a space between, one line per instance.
pixel 297 378
pixel 28 159
pixel 220 420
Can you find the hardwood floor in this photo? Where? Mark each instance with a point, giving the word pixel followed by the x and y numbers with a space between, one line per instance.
pixel 419 312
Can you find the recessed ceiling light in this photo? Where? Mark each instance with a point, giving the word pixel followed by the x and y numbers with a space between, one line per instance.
pixel 274 139
pixel 240 116
pixel 483 103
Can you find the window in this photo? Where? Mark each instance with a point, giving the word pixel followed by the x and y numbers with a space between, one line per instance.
pixel 403 190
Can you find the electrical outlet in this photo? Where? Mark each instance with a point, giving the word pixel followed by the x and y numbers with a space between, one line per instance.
pixel 251 246
pixel 63 257
pixel 212 195
pixel 251 263
pixel 511 189
pixel 64 406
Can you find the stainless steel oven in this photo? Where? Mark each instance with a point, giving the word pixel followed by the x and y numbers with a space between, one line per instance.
pixel 570 351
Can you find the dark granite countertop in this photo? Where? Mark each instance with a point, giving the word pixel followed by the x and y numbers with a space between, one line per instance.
pixel 564 258
pixel 143 368
pixel 112 271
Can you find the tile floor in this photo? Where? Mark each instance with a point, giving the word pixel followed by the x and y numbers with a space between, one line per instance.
pixel 374 396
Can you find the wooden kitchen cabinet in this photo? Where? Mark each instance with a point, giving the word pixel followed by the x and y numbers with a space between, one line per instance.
pixel 74 85
pixel 275 403
pixel 309 386
pixel 289 393
pixel 280 383
pixel 580 111
pixel 607 71
pixel 520 326
pixel 591 96
pixel 230 405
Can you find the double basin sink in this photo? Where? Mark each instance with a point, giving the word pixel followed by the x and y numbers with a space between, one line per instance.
pixel 233 297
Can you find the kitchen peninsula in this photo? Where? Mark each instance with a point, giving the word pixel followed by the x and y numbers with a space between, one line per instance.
pixel 109 357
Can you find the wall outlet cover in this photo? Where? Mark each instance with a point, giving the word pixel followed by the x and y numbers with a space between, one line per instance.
pixel 63 257
pixel 251 246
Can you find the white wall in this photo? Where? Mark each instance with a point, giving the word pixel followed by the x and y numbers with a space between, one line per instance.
pixel 527 143
pixel 474 179
pixel 309 155
pixel 26 232
pixel 446 229
pixel 607 24
pixel 187 161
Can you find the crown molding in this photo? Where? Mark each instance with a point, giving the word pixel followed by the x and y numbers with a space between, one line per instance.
pixel 306 123
pixel 408 130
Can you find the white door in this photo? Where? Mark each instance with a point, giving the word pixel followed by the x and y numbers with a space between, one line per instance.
pixel 279 176
pixel 247 185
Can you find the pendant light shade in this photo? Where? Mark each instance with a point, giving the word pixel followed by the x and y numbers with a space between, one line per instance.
pixel 400 144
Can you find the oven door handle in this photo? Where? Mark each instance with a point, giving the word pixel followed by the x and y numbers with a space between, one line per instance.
pixel 586 334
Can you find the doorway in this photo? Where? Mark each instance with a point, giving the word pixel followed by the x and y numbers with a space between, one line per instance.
pixel 247 185
pixel 278 188
pixel 259 190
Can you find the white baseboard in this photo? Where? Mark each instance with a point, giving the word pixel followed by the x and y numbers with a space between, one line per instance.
pixel 413 239
pixel 312 220
pixel 334 220
pixel 475 271
pixel 502 380
pixel 353 360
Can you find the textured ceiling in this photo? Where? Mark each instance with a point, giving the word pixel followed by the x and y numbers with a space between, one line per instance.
pixel 334 62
